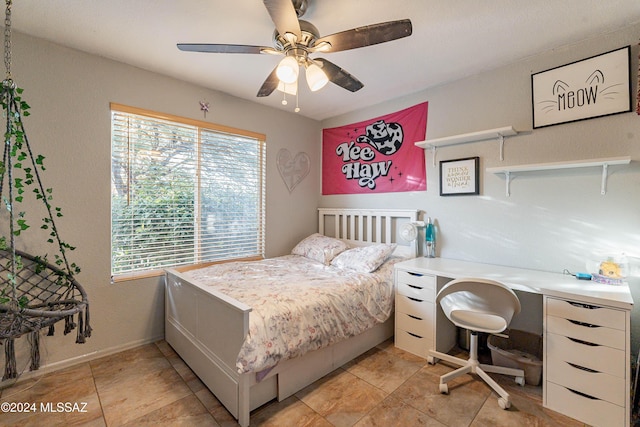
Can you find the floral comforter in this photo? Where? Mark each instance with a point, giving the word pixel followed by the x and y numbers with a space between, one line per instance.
pixel 299 305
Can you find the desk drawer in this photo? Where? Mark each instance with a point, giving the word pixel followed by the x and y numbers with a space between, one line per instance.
pixel 597 357
pixel 596 384
pixel 413 343
pixel 416 291
pixel 416 285
pixel 589 410
pixel 587 332
pixel 592 314
pixel 415 307
pixel 414 324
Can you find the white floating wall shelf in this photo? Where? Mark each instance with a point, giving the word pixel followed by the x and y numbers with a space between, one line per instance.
pixel 603 163
pixel 483 135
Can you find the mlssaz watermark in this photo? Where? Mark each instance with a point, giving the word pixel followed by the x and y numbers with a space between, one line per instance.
pixel 43 407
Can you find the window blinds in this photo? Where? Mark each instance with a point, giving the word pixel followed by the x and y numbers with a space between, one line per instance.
pixel 183 194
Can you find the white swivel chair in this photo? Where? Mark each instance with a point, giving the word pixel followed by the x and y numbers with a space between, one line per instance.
pixel 480 306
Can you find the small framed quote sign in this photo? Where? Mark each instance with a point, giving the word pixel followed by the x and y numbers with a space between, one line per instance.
pixel 460 177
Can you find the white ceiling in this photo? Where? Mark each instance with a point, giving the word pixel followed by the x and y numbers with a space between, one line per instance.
pixel 451 39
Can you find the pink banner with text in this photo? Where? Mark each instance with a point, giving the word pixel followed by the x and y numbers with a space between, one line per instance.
pixel 377 155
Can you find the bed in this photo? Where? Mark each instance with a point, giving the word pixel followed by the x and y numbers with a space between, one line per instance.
pixel 208 325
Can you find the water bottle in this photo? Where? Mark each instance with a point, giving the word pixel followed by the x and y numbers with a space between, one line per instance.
pixel 430 240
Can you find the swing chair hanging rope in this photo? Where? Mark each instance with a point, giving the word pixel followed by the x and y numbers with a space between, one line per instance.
pixel 7 40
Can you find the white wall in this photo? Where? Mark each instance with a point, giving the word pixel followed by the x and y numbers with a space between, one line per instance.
pixel 69 93
pixel 553 220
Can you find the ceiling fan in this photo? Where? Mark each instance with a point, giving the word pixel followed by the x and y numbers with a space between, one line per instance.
pixel 297 40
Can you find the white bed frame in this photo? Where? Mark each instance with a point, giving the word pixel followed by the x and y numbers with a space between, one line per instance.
pixel 207 328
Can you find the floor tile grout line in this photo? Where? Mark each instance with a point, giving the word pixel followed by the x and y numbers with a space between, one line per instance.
pixel 95 386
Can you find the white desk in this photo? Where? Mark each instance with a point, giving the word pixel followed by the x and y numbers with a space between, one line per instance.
pixel 586 332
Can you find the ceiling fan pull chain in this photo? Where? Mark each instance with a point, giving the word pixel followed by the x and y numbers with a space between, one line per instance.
pixel 7 40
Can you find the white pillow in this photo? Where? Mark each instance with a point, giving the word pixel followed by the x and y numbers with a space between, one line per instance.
pixel 319 248
pixel 364 259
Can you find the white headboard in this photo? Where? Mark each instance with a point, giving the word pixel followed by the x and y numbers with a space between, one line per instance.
pixel 360 227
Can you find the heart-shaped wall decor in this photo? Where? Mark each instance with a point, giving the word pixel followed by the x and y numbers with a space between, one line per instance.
pixel 293 169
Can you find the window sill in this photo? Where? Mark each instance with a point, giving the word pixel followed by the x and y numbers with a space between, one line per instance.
pixel 160 272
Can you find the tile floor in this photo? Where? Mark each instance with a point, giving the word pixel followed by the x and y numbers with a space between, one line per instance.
pixel 151 386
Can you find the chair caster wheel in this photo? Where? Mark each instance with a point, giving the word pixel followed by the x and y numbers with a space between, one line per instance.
pixel 444 389
pixel 431 360
pixel 504 403
pixel 520 381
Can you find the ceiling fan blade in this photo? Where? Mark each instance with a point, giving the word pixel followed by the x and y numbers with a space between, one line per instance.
pixel 367 35
pixel 283 14
pixel 269 85
pixel 339 76
pixel 221 48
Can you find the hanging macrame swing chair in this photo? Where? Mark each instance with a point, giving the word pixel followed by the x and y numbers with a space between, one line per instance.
pixel 34 293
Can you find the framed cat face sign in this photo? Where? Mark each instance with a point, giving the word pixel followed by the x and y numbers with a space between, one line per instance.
pixel 593 87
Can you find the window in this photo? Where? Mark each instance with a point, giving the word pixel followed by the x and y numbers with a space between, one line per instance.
pixel 183 192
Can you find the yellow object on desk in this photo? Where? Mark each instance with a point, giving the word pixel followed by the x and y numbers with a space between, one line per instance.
pixel 610 269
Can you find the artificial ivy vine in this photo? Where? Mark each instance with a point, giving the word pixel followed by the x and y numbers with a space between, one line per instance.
pixel 20 166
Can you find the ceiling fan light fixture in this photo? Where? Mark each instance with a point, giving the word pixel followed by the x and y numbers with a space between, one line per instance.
pixel 288 70
pixel 316 78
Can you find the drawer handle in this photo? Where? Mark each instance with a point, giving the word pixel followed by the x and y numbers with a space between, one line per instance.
pixel 415 274
pixel 414 317
pixel 582 394
pixel 414 286
pixel 415 299
pixel 582 368
pixel 590 344
pixel 414 335
pixel 581 305
pixel 586 325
